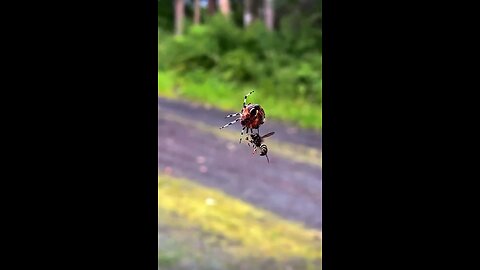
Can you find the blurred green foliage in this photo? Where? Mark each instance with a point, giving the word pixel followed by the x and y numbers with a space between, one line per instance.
pixel 221 59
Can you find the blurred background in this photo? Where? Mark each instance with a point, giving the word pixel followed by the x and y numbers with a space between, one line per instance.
pixel 219 206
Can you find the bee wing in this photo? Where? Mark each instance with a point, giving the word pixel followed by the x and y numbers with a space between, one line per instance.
pixel 268 135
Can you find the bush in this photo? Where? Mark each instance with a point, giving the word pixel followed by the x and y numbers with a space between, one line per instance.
pixel 284 64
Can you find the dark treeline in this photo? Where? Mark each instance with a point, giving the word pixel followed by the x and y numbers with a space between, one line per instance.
pixel 272 45
pixel 242 12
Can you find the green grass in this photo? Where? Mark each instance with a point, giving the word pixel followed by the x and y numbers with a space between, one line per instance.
pixel 234 226
pixel 228 96
pixel 166 84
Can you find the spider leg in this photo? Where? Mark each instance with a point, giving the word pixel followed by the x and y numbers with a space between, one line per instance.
pixel 248 141
pixel 231 123
pixel 245 98
pixel 232 115
pixel 241 134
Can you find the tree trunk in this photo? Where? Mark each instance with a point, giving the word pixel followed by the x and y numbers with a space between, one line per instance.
pixel 179 14
pixel 196 15
pixel 255 6
pixel 225 7
pixel 247 12
pixel 268 9
pixel 212 7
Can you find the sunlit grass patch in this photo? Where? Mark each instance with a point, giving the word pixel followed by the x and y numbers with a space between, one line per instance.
pixel 243 229
pixel 166 84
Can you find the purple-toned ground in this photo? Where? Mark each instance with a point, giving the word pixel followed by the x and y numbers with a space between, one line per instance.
pixel 290 189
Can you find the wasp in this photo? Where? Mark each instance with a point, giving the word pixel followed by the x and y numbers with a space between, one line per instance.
pixel 252 116
pixel 257 142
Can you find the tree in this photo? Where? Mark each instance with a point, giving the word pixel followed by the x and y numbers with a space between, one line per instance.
pixel 269 15
pixel 212 7
pixel 247 13
pixel 179 15
pixel 196 16
pixel 224 7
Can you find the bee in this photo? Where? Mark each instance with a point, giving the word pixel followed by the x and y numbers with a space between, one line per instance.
pixel 257 142
pixel 252 116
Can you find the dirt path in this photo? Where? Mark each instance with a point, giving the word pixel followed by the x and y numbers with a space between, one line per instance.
pixel 191 145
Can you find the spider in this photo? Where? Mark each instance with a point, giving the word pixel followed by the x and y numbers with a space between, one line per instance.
pixel 252 116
